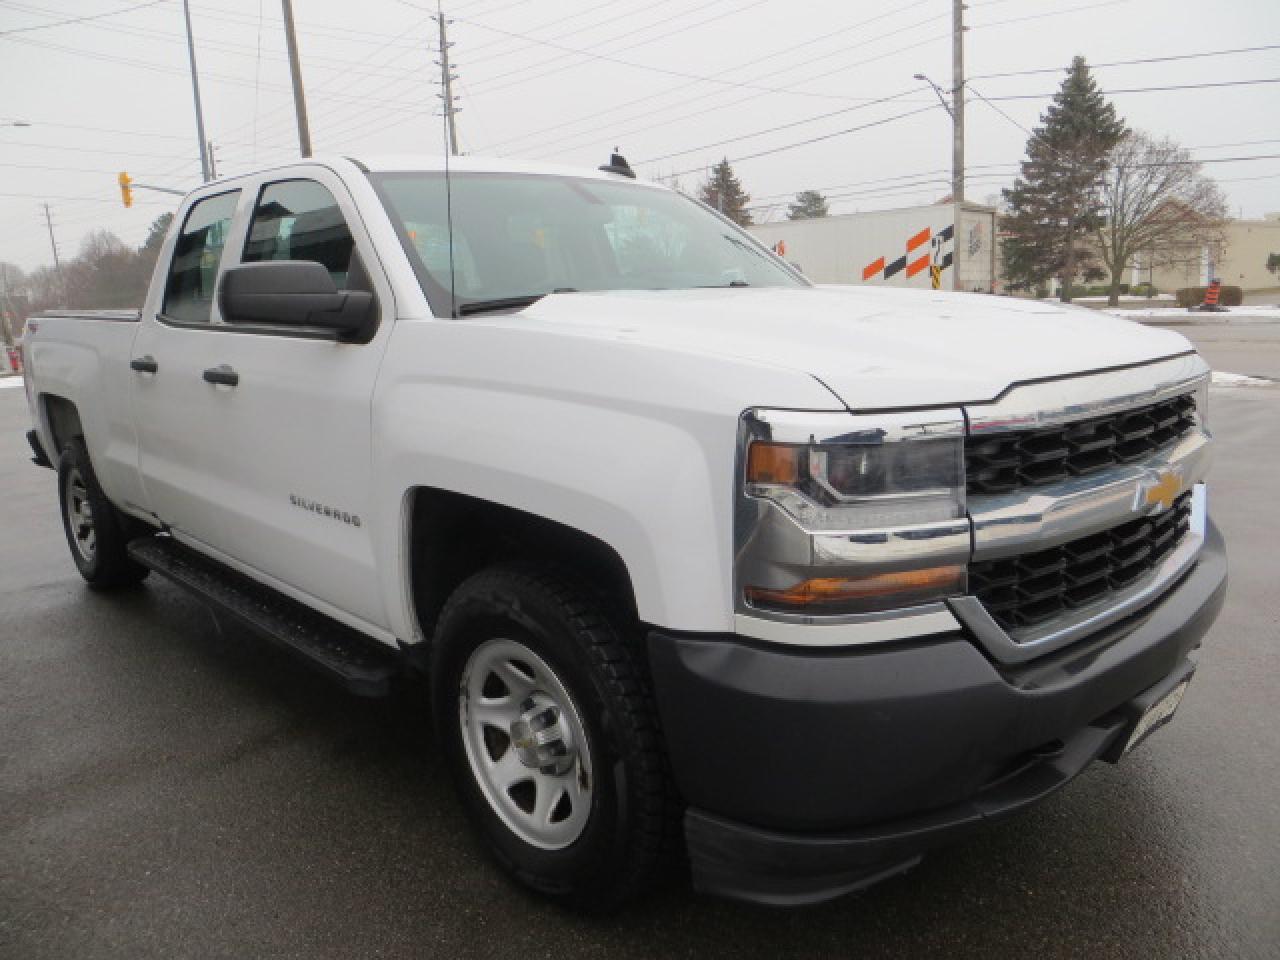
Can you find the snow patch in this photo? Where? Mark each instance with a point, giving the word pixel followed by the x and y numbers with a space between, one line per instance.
pixel 1221 379
pixel 1181 315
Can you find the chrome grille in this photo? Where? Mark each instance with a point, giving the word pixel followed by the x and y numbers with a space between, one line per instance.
pixel 1004 462
pixel 1030 589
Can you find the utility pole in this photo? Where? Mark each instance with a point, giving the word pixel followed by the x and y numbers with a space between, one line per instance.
pixel 48 219
pixel 7 303
pixel 57 263
pixel 295 71
pixel 957 101
pixel 213 163
pixel 195 93
pixel 447 76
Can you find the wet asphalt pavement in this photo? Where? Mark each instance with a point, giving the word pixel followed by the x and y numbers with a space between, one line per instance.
pixel 170 790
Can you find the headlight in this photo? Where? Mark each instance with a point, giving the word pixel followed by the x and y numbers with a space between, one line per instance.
pixel 861 480
pixel 873 505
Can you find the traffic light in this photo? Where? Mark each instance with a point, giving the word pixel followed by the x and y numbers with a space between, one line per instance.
pixel 126 188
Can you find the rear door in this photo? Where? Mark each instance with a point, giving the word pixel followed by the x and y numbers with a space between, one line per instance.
pixel 284 454
pixel 172 406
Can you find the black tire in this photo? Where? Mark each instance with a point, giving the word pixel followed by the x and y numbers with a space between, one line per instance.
pixel 98 542
pixel 631 822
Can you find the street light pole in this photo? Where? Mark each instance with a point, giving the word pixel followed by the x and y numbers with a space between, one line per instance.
pixel 936 89
pixel 195 93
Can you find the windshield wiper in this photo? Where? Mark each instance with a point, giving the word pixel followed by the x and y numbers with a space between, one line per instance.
pixel 506 303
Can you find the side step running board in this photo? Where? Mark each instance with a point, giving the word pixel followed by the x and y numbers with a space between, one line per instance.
pixel 359 663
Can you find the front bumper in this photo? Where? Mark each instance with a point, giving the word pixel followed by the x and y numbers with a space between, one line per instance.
pixel 811 773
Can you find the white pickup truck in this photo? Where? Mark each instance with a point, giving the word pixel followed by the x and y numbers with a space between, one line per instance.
pixel 693 553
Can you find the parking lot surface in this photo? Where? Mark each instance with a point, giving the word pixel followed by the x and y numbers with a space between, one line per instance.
pixel 170 789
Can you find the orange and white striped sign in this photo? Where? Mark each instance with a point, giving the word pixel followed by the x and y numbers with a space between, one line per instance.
pixel 915 260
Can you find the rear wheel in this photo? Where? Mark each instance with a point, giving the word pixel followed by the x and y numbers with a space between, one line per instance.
pixel 96 531
pixel 544 714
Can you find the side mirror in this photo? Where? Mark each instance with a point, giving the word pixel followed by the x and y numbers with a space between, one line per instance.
pixel 293 293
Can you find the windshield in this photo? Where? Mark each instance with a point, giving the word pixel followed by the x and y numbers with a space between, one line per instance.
pixel 520 236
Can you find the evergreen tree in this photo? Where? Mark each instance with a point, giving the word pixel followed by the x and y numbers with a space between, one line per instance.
pixel 149 252
pixel 722 191
pixel 155 233
pixel 1055 204
pixel 808 205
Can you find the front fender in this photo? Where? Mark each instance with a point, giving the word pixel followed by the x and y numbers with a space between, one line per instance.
pixel 631 445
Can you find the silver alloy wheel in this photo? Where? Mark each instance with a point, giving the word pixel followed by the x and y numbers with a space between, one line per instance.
pixel 80 515
pixel 526 744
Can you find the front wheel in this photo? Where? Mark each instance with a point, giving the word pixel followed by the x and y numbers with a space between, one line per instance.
pixel 544 715
pixel 96 531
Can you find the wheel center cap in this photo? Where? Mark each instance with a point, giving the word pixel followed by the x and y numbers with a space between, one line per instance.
pixel 540 738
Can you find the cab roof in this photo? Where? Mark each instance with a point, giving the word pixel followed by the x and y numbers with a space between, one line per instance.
pixel 424 163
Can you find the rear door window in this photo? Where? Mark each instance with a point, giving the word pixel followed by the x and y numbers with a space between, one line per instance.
pixel 193 272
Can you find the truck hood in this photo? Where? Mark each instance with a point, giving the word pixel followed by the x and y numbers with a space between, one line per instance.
pixel 873 347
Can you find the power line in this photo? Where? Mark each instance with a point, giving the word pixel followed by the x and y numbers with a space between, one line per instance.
pixel 225 46
pixel 1028 96
pixel 26 144
pixel 1128 63
pixel 366 122
pixel 522 75
pixel 1162 89
pixel 1048 13
pixel 612 111
pixel 610 18
pixel 84 19
pixel 667 120
pixel 45 196
pixel 972 89
pixel 818 139
pixel 615 135
pixel 520 46
pixel 784 126
pixel 344 33
pixel 641 66
pixel 1265 176
pixel 888 184
pixel 45 166
pixel 134 133
pixel 362 98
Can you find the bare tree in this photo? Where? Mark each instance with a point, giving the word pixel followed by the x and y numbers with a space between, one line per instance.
pixel 1157 204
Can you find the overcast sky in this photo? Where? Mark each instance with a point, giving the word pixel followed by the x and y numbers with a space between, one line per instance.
pixel 675 84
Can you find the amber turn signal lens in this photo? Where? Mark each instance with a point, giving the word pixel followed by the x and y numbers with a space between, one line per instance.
pixel 875 592
pixel 773 463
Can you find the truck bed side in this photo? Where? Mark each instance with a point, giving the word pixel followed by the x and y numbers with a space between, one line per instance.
pixel 78 369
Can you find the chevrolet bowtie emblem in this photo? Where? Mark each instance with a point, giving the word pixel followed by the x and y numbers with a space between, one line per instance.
pixel 1163 492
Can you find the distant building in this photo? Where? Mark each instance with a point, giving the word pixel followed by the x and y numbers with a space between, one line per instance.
pixel 942 246
pixel 1241 263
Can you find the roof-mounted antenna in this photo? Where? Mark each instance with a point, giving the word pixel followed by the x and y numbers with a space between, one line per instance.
pixel 618 164
pixel 450 146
